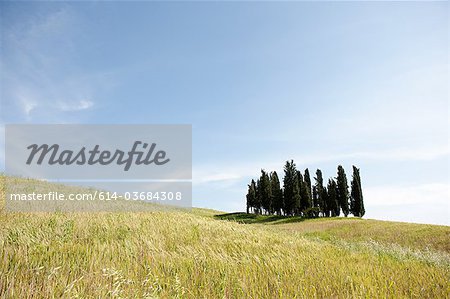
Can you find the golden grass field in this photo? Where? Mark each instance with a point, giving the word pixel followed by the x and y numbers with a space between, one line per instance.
pixel 196 255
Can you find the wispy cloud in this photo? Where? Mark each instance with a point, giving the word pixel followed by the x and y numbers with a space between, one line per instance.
pixel 77 106
pixel 424 203
pixel 208 177
pixel 40 78
pixel 225 174
pixel 229 172
pixel 425 153
pixel 407 194
pixel 28 105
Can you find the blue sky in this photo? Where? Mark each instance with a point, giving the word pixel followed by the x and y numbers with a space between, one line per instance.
pixel 323 83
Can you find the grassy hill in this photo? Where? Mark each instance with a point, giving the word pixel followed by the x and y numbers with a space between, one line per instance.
pixel 196 255
pixel 425 237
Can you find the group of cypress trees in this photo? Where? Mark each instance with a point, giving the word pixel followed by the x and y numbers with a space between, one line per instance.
pixel 299 197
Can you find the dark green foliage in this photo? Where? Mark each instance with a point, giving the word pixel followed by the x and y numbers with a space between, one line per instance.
pixel 249 199
pixel 357 202
pixel 265 192
pixel 277 194
pixel 320 192
pixel 291 189
pixel 333 205
pixel 311 213
pixel 325 208
pixel 258 201
pixel 299 198
pixel 251 196
pixel 316 201
pixel 305 195
pixel 307 179
pixel 342 188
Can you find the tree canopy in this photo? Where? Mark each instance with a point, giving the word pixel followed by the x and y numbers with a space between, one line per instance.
pixel 298 197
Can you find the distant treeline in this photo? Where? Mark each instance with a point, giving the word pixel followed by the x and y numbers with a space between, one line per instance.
pixel 299 197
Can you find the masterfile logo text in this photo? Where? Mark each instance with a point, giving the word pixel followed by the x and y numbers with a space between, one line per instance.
pixel 99 151
pixel 110 167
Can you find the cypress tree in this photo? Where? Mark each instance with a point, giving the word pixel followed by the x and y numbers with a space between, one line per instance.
pixel 326 207
pixel 277 193
pixel 255 195
pixel 289 182
pixel 258 198
pixel 248 201
pixel 268 192
pixel 315 201
pixel 251 196
pixel 305 202
pixel 357 203
pixel 297 198
pixel 320 191
pixel 265 191
pixel 342 187
pixel 332 198
pixel 307 178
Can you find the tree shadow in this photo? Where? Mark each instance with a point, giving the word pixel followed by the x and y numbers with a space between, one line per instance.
pixel 242 217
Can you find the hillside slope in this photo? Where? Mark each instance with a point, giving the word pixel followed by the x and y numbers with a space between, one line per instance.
pixel 426 237
pixel 192 255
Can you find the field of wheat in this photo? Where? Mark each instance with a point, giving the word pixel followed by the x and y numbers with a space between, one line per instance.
pixel 194 255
